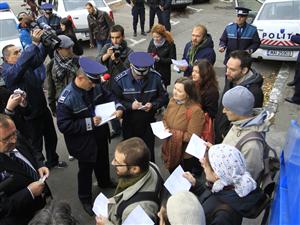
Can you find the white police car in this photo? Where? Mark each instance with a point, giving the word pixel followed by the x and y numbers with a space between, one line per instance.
pixel 9 33
pixel 276 21
pixel 75 10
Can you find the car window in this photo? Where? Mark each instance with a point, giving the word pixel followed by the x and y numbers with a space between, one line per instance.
pixel 281 11
pixel 8 30
pixel 77 5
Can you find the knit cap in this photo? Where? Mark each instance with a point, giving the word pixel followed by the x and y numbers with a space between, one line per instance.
pixel 239 100
pixel 184 208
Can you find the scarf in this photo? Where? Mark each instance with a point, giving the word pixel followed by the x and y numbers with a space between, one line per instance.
pixel 193 51
pixel 125 182
pixel 230 166
pixel 159 44
pixel 64 66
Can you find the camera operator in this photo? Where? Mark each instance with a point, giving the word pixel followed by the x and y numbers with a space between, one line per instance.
pixel 19 71
pixel 114 56
pixel 49 21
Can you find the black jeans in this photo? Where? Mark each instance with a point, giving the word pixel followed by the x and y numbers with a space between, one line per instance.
pixel 136 13
pixel 152 12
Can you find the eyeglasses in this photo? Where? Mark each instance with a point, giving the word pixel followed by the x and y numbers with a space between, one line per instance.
pixel 9 137
pixel 117 164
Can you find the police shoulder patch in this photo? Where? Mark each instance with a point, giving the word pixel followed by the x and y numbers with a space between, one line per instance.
pixel 121 75
pixel 63 95
pixel 231 23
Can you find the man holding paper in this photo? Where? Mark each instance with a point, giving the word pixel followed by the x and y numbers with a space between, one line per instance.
pixel 86 140
pixel 142 93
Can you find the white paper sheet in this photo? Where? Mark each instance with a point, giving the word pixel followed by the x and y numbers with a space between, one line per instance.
pixel 101 205
pixel 105 111
pixel 176 182
pixel 181 62
pixel 159 130
pixel 138 217
pixel 196 147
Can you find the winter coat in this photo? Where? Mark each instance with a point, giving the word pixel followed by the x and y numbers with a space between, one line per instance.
pixel 205 52
pixel 252 150
pixel 253 81
pixel 166 52
pixel 99 26
pixel 209 98
pixel 235 207
pixel 147 183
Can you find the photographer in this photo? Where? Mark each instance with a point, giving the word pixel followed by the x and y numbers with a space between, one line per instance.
pixel 19 71
pixel 114 56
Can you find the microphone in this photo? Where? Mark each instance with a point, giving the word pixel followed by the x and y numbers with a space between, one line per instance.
pixel 105 77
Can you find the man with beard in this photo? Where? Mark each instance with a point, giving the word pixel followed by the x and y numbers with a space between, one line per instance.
pixel 115 56
pixel 238 72
pixel 63 71
pixel 25 193
pixel 200 47
pixel 139 183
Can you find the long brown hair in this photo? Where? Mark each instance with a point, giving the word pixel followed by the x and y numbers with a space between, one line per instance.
pixel 161 30
pixel 189 89
pixel 207 75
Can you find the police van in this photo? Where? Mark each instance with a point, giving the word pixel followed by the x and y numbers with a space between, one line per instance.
pixel 9 33
pixel 276 22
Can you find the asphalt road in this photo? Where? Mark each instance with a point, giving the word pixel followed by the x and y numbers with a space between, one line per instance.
pixel 215 15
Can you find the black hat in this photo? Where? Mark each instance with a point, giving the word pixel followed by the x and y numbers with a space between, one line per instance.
pixel 92 69
pixel 241 11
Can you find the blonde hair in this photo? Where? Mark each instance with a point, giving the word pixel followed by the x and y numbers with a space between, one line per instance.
pixel 161 30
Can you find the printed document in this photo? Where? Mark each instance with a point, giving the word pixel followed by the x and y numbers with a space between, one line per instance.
pixel 105 111
pixel 196 147
pixel 138 217
pixel 159 130
pixel 100 205
pixel 176 182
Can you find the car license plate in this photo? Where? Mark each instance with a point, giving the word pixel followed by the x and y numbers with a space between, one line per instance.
pixel 280 53
pixel 87 34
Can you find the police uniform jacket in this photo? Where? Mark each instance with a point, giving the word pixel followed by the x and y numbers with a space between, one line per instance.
pixel 249 39
pixel 53 22
pixel 127 90
pixel 75 112
pixel 296 38
pixel 24 75
pixel 206 51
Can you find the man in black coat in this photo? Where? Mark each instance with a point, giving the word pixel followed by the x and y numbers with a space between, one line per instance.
pixel 24 193
pixel 238 72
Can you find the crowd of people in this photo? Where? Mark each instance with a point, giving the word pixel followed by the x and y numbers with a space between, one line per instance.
pixel 225 183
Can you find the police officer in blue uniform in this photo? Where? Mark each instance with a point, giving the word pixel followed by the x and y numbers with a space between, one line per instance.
pixel 140 90
pixel 138 10
pixel 239 35
pixel 85 138
pixel 49 20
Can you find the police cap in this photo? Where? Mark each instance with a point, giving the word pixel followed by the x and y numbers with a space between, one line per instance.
pixel 47 6
pixel 241 11
pixel 141 59
pixel 91 68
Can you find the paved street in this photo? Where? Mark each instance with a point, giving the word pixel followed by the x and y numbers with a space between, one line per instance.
pixel 215 15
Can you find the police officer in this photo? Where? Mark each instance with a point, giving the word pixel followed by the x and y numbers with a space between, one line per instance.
pixel 138 10
pixel 85 138
pixel 49 20
pixel 165 8
pixel 239 35
pixel 141 92
pixel 154 9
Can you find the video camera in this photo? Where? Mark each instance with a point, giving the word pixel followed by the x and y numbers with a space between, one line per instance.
pixel 117 50
pixel 48 38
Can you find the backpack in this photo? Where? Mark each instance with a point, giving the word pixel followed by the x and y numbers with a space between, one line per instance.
pixel 271 163
pixel 145 196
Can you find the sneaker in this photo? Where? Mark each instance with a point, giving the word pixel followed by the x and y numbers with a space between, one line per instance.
pixel 61 164
pixel 143 33
pixel 71 158
pixel 134 34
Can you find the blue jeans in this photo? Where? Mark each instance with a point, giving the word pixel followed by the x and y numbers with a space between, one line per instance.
pixel 100 44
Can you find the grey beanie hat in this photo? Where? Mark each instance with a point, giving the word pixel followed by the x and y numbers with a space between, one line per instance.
pixel 184 208
pixel 239 100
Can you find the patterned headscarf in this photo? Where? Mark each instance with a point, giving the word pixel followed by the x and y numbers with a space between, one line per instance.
pixel 229 164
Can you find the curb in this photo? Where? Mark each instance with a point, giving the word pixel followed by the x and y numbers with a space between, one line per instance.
pixel 278 88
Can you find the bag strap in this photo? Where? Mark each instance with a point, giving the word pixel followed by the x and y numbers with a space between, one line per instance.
pixel 142 196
